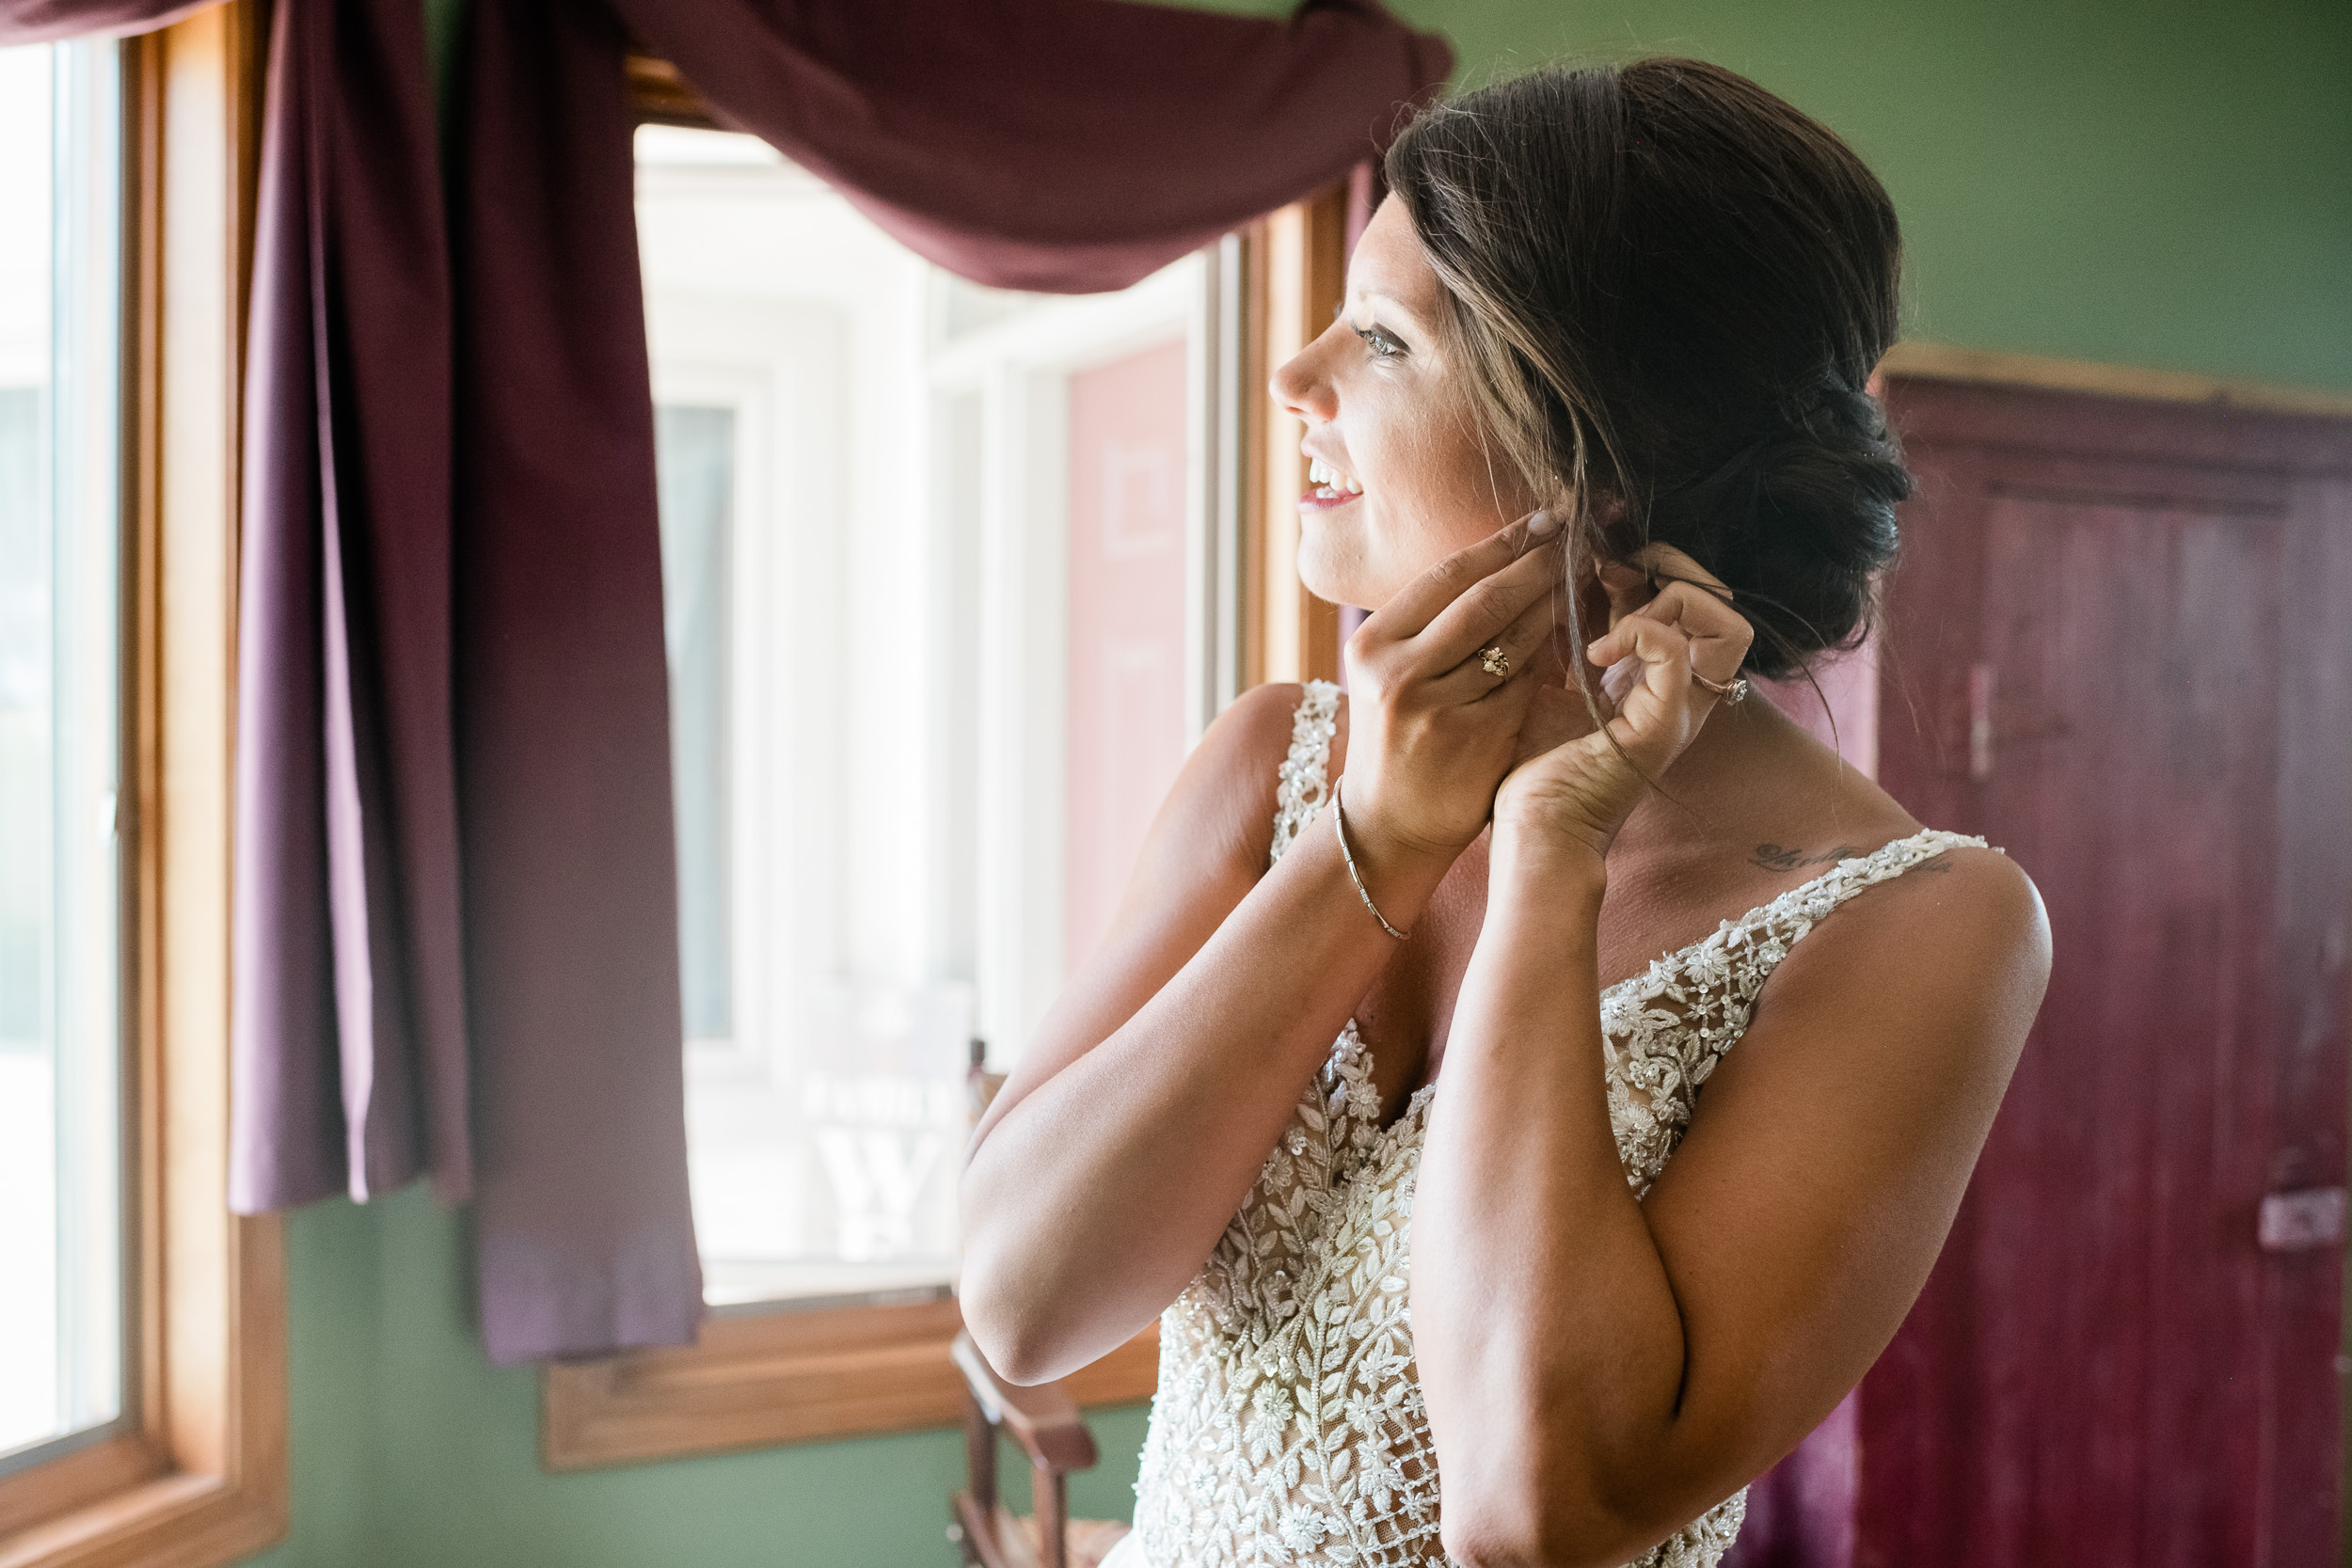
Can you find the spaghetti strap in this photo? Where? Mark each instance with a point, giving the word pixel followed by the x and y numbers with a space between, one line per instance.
pixel 1302 789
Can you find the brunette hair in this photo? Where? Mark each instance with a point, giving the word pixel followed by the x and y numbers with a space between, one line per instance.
pixel 1671 287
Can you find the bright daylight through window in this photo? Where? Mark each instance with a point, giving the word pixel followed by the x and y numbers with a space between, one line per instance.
pixel 934 562
pixel 61 1144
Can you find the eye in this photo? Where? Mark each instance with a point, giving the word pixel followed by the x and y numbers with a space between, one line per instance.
pixel 1378 340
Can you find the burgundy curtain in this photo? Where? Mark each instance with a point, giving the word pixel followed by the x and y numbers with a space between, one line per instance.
pixel 47 20
pixel 457 928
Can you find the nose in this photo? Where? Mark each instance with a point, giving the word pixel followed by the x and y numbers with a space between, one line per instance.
pixel 1301 386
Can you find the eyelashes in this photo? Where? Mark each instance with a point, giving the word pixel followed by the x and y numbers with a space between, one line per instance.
pixel 1383 343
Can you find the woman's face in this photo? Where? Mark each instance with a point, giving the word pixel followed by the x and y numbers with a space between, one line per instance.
pixel 1416 478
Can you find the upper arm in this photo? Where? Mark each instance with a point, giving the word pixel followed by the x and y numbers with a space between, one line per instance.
pixel 1831 1147
pixel 1206 848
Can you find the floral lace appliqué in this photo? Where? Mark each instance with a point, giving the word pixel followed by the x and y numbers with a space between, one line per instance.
pixel 1300 789
pixel 1289 1429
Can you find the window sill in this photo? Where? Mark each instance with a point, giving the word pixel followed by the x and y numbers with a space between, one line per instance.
pixel 761 1380
pixel 173 1521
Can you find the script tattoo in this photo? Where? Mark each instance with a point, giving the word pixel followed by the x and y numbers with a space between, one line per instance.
pixel 1772 856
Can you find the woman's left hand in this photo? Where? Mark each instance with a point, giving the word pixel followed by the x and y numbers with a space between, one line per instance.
pixel 1578 792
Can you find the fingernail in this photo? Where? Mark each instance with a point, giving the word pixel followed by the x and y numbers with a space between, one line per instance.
pixel 1541 526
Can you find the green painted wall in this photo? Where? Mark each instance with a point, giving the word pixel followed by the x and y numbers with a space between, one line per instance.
pixel 410 1451
pixel 2164 184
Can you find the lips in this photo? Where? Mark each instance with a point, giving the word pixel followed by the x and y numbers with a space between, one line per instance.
pixel 1332 487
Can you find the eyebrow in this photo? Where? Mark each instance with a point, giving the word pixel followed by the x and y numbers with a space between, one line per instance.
pixel 1372 296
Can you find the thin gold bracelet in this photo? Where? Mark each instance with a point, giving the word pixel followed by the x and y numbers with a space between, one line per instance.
pixel 1339 826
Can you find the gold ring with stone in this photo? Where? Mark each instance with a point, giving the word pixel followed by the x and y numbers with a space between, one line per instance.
pixel 1495 662
pixel 1733 691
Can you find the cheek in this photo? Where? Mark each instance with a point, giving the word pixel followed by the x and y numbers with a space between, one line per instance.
pixel 1439 488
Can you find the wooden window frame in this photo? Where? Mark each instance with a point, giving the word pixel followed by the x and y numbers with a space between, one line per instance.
pixel 1294 279
pixel 772 1374
pixel 761 1377
pixel 197 1476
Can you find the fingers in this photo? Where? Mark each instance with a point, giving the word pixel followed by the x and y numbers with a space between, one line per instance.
pixel 1480 614
pixel 1718 635
pixel 1426 597
pixel 1470 681
pixel 1665 563
pixel 1664 652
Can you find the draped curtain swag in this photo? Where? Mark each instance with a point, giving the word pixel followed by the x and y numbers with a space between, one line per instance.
pixel 456 911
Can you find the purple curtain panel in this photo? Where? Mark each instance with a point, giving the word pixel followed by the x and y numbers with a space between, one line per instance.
pixel 349 1046
pixel 47 20
pixel 585 1238
pixel 457 906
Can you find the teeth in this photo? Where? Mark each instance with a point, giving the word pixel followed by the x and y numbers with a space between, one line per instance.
pixel 1323 474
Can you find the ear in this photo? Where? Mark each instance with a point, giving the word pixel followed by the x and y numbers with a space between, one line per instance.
pixel 1616 588
pixel 1627 589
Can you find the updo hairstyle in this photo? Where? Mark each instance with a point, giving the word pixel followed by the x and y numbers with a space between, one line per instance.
pixel 1671 287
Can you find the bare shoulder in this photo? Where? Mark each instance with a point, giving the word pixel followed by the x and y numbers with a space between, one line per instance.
pixel 1956 950
pixel 1225 795
pixel 1974 902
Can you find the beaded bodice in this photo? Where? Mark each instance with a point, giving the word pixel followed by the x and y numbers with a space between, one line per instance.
pixel 1289 1429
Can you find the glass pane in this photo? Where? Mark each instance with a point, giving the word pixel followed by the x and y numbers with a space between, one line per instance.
pixel 924 547
pixel 61 1342
pixel 694 454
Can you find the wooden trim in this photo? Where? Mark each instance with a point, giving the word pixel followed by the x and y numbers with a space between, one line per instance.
pixel 662 96
pixel 1298 280
pixel 763 1379
pixel 78 1480
pixel 2064 424
pixel 201 1479
pixel 1945 363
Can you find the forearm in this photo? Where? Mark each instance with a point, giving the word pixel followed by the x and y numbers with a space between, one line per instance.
pixel 1093 1203
pixel 1550 1343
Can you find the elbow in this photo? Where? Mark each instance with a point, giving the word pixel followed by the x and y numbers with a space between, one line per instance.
pixel 1501 1543
pixel 1013 1356
pixel 1011 1359
pixel 1478 1547
pixel 1000 1317
pixel 1552 1528
pixel 1016 1326
pixel 1004 1328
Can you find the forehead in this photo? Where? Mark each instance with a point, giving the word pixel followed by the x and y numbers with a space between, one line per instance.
pixel 1389 262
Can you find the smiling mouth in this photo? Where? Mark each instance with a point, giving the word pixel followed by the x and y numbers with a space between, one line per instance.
pixel 1330 487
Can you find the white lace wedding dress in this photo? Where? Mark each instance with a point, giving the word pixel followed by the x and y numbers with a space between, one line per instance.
pixel 1288 1429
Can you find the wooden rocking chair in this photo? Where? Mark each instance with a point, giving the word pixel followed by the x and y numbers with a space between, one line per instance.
pixel 1047 1424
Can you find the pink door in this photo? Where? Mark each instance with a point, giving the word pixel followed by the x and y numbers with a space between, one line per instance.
pixel 1124 726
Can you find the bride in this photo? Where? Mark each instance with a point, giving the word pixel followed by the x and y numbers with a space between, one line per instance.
pixel 1534 1084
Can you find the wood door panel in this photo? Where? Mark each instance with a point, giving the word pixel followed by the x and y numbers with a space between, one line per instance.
pixel 2118 647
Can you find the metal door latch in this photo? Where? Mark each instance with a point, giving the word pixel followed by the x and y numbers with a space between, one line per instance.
pixel 2300 1222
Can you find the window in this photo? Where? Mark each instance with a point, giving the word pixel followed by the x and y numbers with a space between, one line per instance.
pixel 902 518
pixel 61 1111
pixel 954 579
pixel 142 1340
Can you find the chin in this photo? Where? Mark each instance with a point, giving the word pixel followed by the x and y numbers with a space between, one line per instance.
pixel 1336 573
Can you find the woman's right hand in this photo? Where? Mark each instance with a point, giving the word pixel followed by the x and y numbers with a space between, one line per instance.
pixel 1431 732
